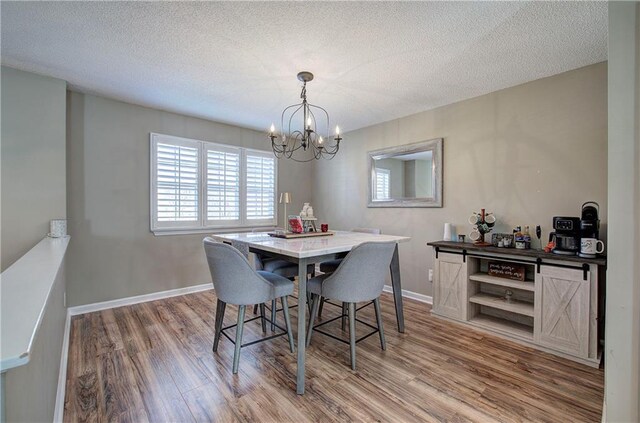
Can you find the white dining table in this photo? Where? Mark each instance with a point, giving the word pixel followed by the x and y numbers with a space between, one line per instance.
pixel 305 251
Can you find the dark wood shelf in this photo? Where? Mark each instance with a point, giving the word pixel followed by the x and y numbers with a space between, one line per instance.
pixel 532 254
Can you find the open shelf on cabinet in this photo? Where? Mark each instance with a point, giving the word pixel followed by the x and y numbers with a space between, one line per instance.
pixel 485 278
pixel 507 327
pixel 518 307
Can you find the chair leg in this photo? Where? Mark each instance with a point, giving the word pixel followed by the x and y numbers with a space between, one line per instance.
pixel 287 321
pixel 255 309
pixel 321 306
pixel 312 316
pixel 376 304
pixel 264 322
pixel 220 307
pixel 352 333
pixel 344 315
pixel 236 353
pixel 274 305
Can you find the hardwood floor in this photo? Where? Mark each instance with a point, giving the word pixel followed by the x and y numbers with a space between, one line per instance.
pixel 153 362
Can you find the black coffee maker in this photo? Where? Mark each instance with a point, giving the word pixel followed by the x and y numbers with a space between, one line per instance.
pixel 567 235
pixel 589 223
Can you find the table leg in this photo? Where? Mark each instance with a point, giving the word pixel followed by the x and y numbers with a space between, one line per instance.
pixel 302 322
pixel 397 289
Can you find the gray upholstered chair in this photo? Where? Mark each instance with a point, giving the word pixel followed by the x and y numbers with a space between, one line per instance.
pixel 331 265
pixel 236 282
pixel 282 268
pixel 359 278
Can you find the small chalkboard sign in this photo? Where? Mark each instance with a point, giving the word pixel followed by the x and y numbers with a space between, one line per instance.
pixel 501 269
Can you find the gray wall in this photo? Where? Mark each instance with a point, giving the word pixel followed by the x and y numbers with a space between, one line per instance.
pixel 622 331
pixel 423 178
pixel 527 153
pixel 33 159
pixel 417 178
pixel 30 390
pixel 113 254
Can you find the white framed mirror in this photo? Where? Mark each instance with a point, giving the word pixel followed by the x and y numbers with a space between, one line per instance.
pixel 406 176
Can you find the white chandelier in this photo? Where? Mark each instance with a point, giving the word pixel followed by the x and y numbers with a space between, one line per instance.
pixel 304 143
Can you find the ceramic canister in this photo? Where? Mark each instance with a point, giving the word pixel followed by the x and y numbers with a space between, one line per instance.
pixel 58 228
pixel 447 232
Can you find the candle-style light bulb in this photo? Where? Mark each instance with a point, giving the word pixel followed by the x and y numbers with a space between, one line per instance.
pixel 309 122
pixel 272 129
pixel 320 141
pixel 337 131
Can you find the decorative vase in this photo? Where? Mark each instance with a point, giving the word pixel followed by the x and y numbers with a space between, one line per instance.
pixel 310 211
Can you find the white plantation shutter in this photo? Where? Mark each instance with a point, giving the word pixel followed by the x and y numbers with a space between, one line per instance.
pixel 383 184
pixel 199 185
pixel 177 184
pixel 223 183
pixel 261 186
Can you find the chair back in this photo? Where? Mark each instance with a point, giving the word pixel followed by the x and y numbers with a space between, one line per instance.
pixel 374 231
pixel 362 273
pixel 234 280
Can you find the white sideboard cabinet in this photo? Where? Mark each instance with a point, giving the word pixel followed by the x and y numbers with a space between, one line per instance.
pixel 557 308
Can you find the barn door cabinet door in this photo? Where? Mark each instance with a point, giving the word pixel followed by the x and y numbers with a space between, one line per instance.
pixel 449 286
pixel 562 303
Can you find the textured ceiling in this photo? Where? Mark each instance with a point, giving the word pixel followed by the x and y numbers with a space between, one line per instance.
pixel 236 62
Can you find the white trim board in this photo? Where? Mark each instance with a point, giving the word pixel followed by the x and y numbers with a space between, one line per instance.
pixel 89 308
pixel 58 413
pixel 411 295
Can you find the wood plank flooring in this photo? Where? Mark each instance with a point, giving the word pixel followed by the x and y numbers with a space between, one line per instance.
pixel 153 362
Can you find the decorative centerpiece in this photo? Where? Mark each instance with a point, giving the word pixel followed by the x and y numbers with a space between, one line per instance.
pixel 307 211
pixel 484 223
pixel 308 219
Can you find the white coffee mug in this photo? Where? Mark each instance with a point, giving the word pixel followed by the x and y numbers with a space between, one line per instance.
pixel 58 228
pixel 591 246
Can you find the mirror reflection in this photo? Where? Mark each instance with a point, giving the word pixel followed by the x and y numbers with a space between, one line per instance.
pixel 406 176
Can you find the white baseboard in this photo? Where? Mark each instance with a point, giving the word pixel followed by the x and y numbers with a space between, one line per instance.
pixel 89 308
pixel 412 295
pixel 58 413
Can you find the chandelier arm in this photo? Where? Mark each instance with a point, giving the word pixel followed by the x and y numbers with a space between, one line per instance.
pixel 295 140
pixel 284 112
pixel 333 149
pixel 326 115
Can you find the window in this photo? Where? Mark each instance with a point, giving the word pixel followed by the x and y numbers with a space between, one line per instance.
pixel 383 184
pixel 198 185
pixel 261 186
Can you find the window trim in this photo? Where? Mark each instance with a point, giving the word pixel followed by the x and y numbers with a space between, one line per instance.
pixel 203 225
